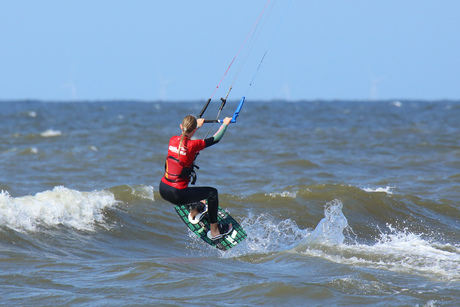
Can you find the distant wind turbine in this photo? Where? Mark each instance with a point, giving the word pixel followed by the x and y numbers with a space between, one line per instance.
pixel 286 92
pixel 73 89
pixel 71 85
pixel 373 93
pixel 163 87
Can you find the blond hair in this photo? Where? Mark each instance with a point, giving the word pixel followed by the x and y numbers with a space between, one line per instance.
pixel 189 124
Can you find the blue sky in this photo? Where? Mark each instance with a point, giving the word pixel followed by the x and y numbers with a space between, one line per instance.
pixel 179 50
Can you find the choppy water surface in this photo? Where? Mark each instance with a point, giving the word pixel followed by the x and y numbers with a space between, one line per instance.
pixel 345 203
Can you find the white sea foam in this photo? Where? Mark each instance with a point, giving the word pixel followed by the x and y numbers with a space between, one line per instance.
pixel 402 252
pixel 142 191
pixel 31 150
pixel 50 133
pixel 396 250
pixel 60 206
pixel 386 189
pixel 265 234
pixel 283 194
pixel 330 229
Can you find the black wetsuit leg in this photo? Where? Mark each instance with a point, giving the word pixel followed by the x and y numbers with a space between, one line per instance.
pixel 191 195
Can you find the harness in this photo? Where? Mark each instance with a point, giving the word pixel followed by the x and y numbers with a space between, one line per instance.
pixel 180 170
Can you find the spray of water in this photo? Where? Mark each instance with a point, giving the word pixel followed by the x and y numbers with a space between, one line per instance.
pixel 60 206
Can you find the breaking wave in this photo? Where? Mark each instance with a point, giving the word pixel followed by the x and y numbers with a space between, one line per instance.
pixel 60 206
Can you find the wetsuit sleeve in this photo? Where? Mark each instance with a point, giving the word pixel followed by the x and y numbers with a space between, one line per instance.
pixel 216 137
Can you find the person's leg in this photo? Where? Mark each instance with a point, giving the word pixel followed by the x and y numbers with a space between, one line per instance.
pixel 194 194
pixel 213 208
pixel 210 194
pixel 170 194
pixel 191 195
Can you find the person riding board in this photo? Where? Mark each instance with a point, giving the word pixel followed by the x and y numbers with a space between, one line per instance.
pixel 179 170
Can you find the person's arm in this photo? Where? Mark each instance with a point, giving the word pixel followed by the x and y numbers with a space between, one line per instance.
pixel 219 134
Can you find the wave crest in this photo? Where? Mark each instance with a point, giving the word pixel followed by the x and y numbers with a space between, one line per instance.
pixel 60 206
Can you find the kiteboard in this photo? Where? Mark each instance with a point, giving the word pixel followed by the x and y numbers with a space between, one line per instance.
pixel 201 229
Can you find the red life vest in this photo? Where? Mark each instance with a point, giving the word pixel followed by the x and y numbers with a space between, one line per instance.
pixel 179 170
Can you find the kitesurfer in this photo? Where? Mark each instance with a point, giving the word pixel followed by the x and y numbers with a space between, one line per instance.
pixel 179 171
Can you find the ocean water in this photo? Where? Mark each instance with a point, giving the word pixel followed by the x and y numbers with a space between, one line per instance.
pixel 345 203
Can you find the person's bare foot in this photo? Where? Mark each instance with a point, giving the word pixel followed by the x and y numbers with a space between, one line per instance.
pixel 197 212
pixel 216 232
pixel 193 213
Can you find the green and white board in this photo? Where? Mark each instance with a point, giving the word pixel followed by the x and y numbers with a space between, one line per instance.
pixel 201 229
